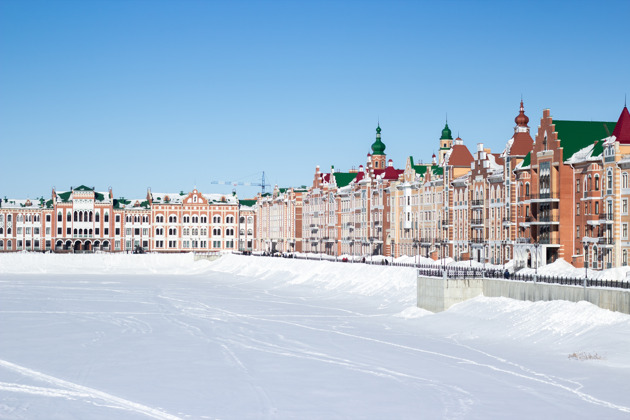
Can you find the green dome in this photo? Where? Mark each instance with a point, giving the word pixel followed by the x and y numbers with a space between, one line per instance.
pixel 446 133
pixel 378 147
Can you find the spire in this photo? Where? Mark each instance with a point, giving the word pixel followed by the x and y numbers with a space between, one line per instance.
pixel 521 120
pixel 378 147
pixel 622 128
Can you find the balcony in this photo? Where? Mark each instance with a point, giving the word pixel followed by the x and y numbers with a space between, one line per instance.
pixel 477 240
pixel 606 241
pixel 476 203
pixel 546 219
pixel 523 240
pixel 543 197
pixel 523 198
pixel 607 217
pixel 547 239
pixel 476 222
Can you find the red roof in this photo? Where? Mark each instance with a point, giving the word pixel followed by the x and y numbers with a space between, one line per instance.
pixel 360 176
pixel 460 156
pixel 522 144
pixel 622 129
pixel 325 177
pixel 390 173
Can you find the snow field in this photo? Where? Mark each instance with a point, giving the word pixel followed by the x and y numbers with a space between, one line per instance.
pixel 161 336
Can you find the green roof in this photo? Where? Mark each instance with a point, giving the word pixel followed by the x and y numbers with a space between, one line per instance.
pixel 98 196
pixel 65 196
pixel 420 169
pixel 446 133
pixel 83 188
pixel 527 161
pixel 437 170
pixel 576 135
pixel 247 203
pixel 342 179
pixel 119 201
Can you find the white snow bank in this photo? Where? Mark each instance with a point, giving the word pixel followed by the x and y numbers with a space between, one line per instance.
pixel 36 263
pixel 391 284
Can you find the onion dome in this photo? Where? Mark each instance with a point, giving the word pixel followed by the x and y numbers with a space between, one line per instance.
pixel 521 119
pixel 378 147
pixel 446 133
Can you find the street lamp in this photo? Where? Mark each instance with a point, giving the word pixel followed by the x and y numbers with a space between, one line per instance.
pixel 585 262
pixel 536 245
pixel 417 247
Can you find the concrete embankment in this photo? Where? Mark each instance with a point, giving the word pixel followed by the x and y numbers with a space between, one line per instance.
pixel 438 294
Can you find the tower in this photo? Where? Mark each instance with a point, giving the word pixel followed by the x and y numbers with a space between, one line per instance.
pixel 378 151
pixel 446 142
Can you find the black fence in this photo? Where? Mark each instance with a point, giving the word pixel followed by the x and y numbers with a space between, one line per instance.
pixel 462 272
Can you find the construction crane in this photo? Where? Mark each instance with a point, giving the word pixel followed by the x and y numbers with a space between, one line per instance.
pixel 262 184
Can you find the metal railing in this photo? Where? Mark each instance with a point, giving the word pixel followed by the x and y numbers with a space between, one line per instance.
pixel 463 272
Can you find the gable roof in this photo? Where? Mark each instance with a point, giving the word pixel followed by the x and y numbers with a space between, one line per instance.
pixel 576 135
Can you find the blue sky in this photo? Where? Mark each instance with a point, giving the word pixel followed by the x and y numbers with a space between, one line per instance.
pixel 175 94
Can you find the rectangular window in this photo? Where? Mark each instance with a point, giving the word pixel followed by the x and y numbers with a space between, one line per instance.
pixel 117 231
pixel 577 209
pixel 59 231
pixel 97 231
pixel 128 244
pixel 48 217
pixel 624 230
pixel 106 231
pixel 145 244
pixel 47 244
pixel 624 206
pixel 47 231
pixel 137 231
pixel 68 231
pixel 577 231
pixel 128 231
pixel 145 231
pixel 19 230
pixel 19 244
pixel 36 244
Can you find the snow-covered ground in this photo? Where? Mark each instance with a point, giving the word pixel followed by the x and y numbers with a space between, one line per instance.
pixel 162 336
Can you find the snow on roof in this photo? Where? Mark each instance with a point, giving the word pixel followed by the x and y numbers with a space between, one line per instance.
pixel 16 203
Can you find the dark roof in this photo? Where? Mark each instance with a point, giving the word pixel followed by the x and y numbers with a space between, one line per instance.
pixel 622 129
pixel 576 135
pixel 83 188
pixel 342 178
pixel 247 203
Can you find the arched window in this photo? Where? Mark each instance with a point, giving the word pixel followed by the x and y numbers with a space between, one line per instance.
pixel 106 217
pixel 97 217
pixel 76 232
pixel 596 182
pixel 59 217
pixel 195 219
pixel 69 217
pixel 1 230
pixel 610 180
pixel 204 219
pixel 527 189
pixel 588 185
pixel 624 180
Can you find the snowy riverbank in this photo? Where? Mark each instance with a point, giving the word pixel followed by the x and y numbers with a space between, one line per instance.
pixel 161 336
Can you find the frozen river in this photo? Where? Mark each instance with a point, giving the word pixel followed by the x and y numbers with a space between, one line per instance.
pixel 219 345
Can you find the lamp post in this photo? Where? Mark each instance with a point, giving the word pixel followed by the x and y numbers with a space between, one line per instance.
pixel 585 262
pixel 417 248
pixel 536 245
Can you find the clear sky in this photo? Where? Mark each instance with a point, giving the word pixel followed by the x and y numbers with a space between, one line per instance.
pixel 175 94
